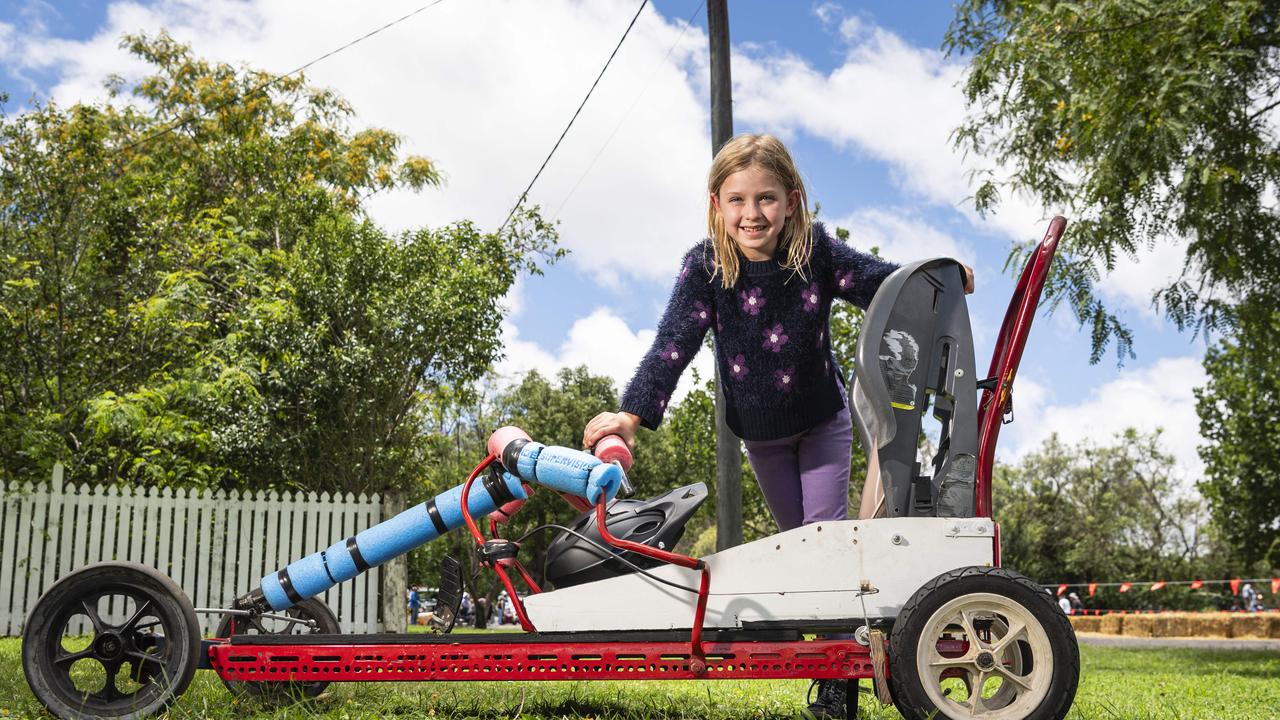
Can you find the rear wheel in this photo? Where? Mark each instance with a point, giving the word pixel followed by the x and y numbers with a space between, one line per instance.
pixel 319 619
pixel 983 642
pixel 111 640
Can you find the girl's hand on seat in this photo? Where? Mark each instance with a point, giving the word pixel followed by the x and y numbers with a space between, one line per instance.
pixel 968 279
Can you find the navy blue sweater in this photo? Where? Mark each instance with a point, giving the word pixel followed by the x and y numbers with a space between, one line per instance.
pixel 772 337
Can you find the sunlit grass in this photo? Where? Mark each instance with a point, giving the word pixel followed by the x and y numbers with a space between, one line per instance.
pixel 1116 684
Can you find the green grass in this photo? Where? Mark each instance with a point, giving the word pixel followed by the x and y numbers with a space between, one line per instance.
pixel 1116 684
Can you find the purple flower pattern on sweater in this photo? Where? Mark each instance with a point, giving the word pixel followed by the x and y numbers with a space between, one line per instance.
pixel 701 314
pixel 752 300
pixel 812 300
pixel 775 338
pixel 670 355
pixel 774 387
pixel 844 281
pixel 784 379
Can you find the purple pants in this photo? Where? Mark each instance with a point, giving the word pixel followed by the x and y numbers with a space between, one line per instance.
pixel 805 478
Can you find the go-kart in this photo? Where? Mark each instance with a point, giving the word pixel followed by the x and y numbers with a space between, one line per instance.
pixel 910 594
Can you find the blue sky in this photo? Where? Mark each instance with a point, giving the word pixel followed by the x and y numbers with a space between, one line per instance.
pixel 858 90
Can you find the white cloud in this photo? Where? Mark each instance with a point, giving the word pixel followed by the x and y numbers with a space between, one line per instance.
pixel 484 89
pixel 1159 396
pixel 603 342
pixel 1136 278
pixel 889 101
pixel 901 238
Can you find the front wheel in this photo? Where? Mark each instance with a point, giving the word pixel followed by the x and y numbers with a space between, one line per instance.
pixel 983 642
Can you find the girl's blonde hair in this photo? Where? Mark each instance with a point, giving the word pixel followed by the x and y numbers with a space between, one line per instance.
pixel 769 154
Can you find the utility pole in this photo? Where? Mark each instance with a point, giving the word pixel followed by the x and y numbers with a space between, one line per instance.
pixel 728 449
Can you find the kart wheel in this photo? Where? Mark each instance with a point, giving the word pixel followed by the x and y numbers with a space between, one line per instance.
pixel 983 642
pixel 281 692
pixel 111 640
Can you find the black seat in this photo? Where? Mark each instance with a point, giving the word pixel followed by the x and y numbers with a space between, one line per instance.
pixel 916 350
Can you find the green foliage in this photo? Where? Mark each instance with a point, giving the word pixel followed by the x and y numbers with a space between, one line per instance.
pixel 190 293
pixel 1239 412
pixel 1088 513
pixel 1148 123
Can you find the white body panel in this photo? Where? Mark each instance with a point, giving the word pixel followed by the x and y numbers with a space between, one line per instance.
pixel 811 573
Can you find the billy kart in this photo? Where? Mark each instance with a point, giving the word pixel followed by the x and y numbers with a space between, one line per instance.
pixel 910 594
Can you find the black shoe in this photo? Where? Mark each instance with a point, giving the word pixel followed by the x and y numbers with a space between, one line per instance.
pixel 831 699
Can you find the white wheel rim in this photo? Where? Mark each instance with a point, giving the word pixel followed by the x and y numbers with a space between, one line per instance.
pixel 984 639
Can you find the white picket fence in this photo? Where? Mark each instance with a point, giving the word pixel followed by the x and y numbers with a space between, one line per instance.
pixel 216 545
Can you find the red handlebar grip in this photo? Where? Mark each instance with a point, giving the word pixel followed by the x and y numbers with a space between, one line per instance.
pixel 502 437
pixel 613 448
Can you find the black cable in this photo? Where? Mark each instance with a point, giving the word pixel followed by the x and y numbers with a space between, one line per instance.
pixel 609 554
pixel 687 24
pixel 538 174
pixel 185 121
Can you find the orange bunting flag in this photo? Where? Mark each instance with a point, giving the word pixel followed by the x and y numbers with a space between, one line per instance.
pixel 1061 589
pixel 1275 586
pixel 1124 587
pixel 1092 588
pixel 1235 586
pixel 1157 585
pixel 1197 584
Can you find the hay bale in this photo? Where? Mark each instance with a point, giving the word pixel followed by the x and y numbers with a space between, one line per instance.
pixel 1250 625
pixel 1139 626
pixel 1170 625
pixel 1273 630
pixel 1215 625
pixel 1112 624
pixel 1085 624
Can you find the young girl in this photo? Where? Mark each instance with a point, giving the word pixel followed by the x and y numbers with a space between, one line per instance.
pixel 765 280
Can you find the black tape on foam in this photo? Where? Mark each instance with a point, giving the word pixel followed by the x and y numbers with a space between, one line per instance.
pixel 433 512
pixel 497 489
pixel 356 557
pixel 286 584
pixel 511 456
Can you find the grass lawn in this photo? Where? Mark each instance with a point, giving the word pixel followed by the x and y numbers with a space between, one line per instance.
pixel 1116 684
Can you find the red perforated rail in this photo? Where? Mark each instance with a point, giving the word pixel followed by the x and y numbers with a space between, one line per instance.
pixel 809 659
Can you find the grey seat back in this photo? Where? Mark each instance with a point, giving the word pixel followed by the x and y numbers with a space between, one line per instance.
pixel 915 351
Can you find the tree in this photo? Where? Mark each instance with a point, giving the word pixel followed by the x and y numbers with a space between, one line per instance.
pixel 192 294
pixel 1085 512
pixel 1239 412
pixel 1148 123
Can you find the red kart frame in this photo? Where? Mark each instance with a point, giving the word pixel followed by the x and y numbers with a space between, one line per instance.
pixel 663 655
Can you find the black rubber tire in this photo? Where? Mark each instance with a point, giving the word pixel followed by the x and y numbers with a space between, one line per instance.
pixel 909 693
pixel 169 659
pixel 277 692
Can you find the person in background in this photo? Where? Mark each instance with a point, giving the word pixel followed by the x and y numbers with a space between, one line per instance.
pixel 414 604
pixel 1249 598
pixel 1065 604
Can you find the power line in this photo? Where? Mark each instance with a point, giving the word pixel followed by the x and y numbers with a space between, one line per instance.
pixel 188 120
pixel 687 24
pixel 538 174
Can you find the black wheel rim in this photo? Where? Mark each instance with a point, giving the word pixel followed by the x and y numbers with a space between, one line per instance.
pixel 257 625
pixel 125 662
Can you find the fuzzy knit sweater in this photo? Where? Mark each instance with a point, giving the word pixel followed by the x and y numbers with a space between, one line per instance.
pixel 772 337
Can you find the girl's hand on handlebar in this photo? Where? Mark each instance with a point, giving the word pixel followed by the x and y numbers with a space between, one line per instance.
pixel 622 424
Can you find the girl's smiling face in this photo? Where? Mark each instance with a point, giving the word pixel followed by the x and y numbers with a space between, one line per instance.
pixel 754 207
